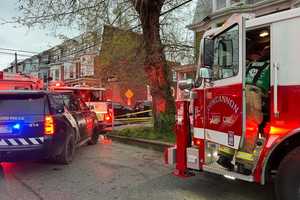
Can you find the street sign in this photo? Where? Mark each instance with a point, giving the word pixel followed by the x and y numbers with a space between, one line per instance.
pixel 129 94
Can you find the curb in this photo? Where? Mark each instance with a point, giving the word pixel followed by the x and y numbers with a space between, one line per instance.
pixel 156 145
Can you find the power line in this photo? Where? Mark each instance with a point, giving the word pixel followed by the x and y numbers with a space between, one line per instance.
pixel 94 45
pixel 22 55
pixel 24 51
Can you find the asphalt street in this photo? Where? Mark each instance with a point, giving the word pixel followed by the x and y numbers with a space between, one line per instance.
pixel 117 171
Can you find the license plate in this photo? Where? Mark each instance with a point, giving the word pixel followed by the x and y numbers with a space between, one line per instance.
pixel 5 129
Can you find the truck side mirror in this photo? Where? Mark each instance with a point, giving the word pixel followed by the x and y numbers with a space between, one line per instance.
pixel 208 52
pixel 59 109
pixel 187 84
pixel 205 73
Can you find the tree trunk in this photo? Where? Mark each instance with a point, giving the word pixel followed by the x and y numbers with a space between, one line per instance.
pixel 156 67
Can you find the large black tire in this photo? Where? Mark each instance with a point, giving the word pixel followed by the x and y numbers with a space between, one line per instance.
pixel 67 155
pixel 287 184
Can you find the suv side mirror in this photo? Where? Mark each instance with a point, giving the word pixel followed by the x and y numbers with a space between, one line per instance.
pixel 187 84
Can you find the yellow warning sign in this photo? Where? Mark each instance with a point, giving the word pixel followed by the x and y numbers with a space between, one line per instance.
pixel 129 94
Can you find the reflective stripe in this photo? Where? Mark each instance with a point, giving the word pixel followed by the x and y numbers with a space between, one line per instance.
pixel 24 142
pixel 33 140
pixel 199 133
pixel 13 142
pixel 221 138
pixel 245 156
pixel 21 141
pixel 3 143
pixel 226 150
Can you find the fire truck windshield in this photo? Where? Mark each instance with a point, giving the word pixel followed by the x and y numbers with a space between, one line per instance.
pixel 89 95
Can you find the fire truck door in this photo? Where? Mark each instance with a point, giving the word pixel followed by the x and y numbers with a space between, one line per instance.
pixel 224 105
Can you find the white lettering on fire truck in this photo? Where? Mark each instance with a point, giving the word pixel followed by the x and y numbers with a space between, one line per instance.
pixel 226 100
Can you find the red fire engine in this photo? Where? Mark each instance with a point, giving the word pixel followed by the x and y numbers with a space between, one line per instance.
pixel 13 81
pixel 244 103
pixel 94 98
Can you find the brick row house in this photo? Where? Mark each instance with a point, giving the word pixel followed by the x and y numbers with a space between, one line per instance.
pixel 112 59
pixel 72 62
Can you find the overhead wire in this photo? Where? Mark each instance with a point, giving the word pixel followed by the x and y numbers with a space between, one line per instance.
pixel 96 43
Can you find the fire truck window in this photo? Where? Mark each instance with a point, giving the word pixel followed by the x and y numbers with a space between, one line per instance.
pixel 226 54
pixel 83 105
pixel 96 96
pixel 258 58
pixel 71 103
pixel 56 102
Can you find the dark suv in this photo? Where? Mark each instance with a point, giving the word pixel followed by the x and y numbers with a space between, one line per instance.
pixel 40 124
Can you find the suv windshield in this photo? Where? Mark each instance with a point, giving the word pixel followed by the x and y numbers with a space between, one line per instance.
pixel 22 104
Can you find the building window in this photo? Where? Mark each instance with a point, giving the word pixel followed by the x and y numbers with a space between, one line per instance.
pixel 56 75
pixel 220 4
pixel 174 75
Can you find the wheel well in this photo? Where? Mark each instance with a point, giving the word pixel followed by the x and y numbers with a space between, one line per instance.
pixel 280 152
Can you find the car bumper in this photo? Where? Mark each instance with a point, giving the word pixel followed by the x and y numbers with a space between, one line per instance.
pixel 49 148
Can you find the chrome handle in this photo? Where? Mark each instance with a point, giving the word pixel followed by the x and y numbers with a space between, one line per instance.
pixel 276 71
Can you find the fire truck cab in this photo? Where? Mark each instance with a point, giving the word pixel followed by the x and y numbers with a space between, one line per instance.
pixel 244 104
pixel 94 98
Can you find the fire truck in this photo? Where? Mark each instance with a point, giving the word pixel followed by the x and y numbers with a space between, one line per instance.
pixel 94 98
pixel 14 81
pixel 244 104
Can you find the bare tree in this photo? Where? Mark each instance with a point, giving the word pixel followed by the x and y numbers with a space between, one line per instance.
pixel 92 14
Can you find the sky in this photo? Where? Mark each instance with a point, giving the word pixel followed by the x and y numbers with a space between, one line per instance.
pixel 15 36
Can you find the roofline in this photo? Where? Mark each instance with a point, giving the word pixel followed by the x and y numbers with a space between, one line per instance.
pixel 235 9
pixel 78 88
pixel 264 20
pixel 272 18
pixel 23 92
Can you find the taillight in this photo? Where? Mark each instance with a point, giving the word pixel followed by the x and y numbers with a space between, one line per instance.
pixel 107 117
pixel 49 125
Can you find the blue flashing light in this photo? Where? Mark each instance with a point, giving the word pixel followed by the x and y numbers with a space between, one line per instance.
pixel 17 126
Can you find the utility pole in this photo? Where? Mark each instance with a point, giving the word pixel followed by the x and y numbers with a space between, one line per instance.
pixel 16 62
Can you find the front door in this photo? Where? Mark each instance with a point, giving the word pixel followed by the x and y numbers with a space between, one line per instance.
pixel 224 96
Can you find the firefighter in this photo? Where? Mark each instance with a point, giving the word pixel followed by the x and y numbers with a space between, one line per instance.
pixel 257 87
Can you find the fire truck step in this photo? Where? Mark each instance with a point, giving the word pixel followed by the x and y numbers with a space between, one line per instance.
pixel 217 169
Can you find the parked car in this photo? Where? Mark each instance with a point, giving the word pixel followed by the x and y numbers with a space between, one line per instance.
pixel 41 124
pixel 141 106
pixel 120 111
